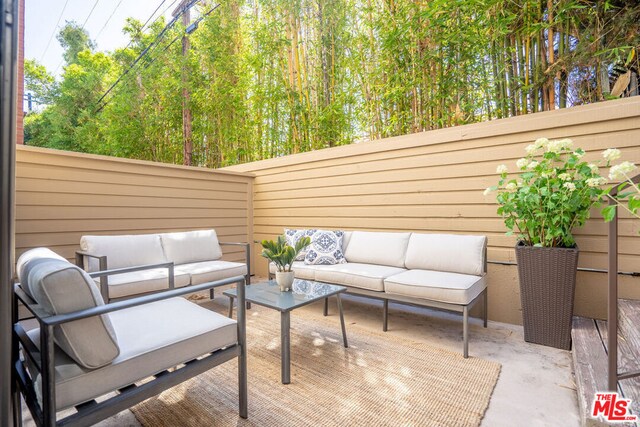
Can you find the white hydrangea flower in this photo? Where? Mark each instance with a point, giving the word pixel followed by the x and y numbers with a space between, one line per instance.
pixel 621 172
pixel 596 182
pixel 579 154
pixel 531 148
pixel 594 168
pixel 541 142
pixel 502 169
pixel 565 143
pixel 522 163
pixel 555 146
pixel 511 186
pixel 569 185
pixel 611 154
pixel 487 191
pixel 564 176
pixel 532 165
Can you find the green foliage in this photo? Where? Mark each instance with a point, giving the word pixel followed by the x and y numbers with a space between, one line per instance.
pixel 551 195
pixel 268 78
pixel 38 81
pixel 282 254
pixel 73 39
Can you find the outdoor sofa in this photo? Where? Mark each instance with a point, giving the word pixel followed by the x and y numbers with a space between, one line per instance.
pixel 122 352
pixel 179 259
pixel 446 271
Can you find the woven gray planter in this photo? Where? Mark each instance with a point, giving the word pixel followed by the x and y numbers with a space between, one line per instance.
pixel 547 287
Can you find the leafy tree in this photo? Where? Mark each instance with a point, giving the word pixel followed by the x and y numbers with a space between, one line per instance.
pixel 38 81
pixel 74 39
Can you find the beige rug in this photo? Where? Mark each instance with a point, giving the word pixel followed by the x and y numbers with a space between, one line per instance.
pixel 380 380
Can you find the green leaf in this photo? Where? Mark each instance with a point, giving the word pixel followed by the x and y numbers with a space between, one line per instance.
pixel 609 213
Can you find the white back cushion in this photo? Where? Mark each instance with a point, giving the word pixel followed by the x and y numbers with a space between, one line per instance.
pixel 191 246
pixel 123 251
pixel 447 252
pixel 60 287
pixel 23 265
pixel 346 238
pixel 377 248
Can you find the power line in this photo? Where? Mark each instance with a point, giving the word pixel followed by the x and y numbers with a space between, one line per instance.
pixel 151 16
pixel 152 46
pixel 109 19
pixel 54 30
pixel 90 12
pixel 154 12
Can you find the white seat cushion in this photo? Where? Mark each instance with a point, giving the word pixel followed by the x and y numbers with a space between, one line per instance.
pixel 301 270
pixel 152 338
pixel 377 248
pixel 440 286
pixel 210 271
pixel 363 276
pixel 123 251
pixel 143 281
pixel 447 252
pixel 191 246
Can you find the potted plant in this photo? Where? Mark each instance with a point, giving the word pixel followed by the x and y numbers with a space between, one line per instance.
pixel 551 194
pixel 283 255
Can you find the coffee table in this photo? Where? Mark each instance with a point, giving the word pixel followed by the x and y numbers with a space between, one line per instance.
pixel 303 292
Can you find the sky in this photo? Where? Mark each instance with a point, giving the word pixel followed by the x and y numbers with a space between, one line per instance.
pixel 41 24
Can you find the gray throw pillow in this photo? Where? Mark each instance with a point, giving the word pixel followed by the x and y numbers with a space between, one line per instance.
pixel 325 248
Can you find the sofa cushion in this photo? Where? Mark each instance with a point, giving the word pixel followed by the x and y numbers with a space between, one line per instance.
pixel 210 271
pixel 363 276
pixel 300 269
pixel 293 235
pixel 29 259
pixel 447 252
pixel 191 246
pixel 60 287
pixel 325 248
pixel 123 251
pixel 436 286
pixel 153 337
pixel 377 248
pixel 143 281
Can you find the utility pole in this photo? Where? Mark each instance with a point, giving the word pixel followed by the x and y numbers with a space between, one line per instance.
pixel 186 111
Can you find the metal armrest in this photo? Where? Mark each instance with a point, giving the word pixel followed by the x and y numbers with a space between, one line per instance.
pixel 247 254
pixel 102 266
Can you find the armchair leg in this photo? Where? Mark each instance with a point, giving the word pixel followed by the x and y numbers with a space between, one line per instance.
pixel 486 306
pixel 243 410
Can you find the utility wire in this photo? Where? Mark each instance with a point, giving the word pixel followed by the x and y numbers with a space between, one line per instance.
pixel 109 19
pixel 154 12
pixel 154 21
pixel 90 12
pixel 54 30
pixel 152 46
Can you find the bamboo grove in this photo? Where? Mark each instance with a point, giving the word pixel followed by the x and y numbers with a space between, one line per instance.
pixel 267 78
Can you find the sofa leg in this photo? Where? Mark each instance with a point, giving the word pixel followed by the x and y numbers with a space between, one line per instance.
pixel 385 315
pixel 326 307
pixel 465 331
pixel 486 306
pixel 248 282
pixel 211 294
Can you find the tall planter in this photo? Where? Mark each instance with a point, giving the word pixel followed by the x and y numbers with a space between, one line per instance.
pixel 547 288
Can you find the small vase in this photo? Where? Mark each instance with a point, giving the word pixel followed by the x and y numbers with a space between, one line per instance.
pixel 284 280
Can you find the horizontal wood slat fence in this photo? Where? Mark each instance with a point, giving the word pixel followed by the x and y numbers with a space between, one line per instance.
pixel 61 196
pixel 433 181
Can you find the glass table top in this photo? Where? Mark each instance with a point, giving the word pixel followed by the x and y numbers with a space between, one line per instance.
pixel 302 292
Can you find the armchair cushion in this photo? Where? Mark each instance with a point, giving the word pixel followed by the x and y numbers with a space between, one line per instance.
pixel 123 251
pixel 210 271
pixel 191 246
pixel 447 252
pixel 60 287
pixel 143 281
pixel 25 264
pixel 377 248
pixel 152 337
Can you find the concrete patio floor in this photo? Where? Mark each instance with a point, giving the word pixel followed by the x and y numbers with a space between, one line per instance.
pixel 535 387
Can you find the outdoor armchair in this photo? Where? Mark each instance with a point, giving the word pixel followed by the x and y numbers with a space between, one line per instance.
pixel 84 349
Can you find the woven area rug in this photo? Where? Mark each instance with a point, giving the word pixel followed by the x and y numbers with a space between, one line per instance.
pixel 380 380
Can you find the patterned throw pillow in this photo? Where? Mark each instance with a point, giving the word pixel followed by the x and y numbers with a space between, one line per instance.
pixel 325 248
pixel 292 238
